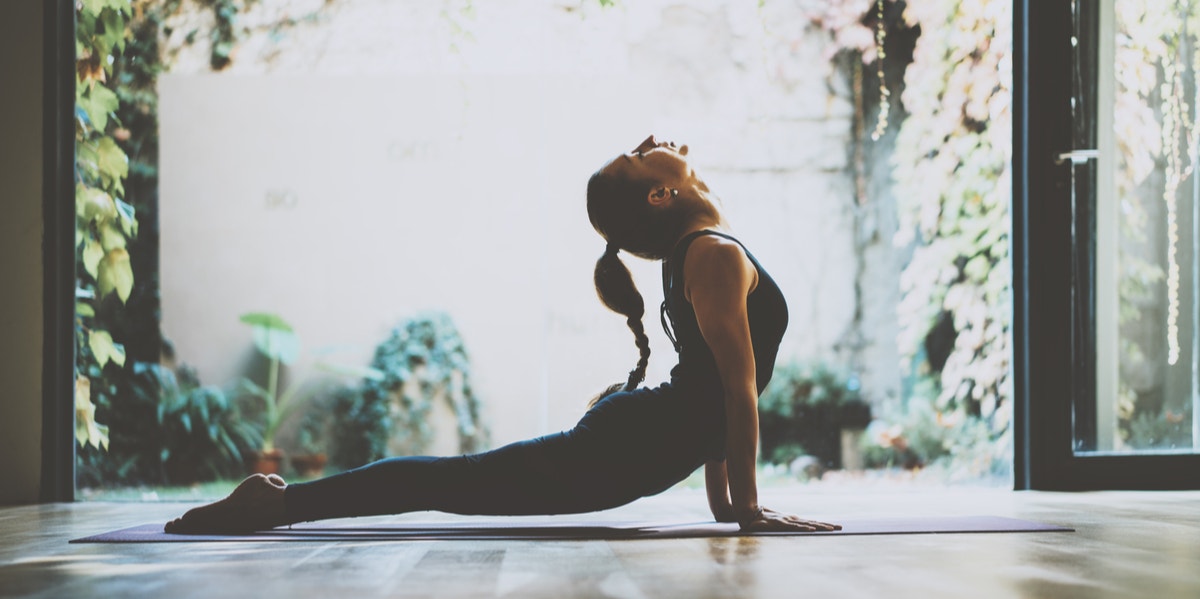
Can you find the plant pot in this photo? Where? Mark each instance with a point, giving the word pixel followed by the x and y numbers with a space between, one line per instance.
pixel 309 465
pixel 266 462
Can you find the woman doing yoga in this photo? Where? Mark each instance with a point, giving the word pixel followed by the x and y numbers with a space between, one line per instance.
pixel 726 318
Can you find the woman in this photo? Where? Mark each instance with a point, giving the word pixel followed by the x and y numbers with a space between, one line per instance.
pixel 724 314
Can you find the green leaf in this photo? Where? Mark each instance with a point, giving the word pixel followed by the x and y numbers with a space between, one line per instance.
pixel 92 254
pixel 126 213
pixel 103 348
pixel 364 372
pixel 276 344
pixel 112 162
pixel 114 29
pixel 93 7
pixel 266 320
pixel 116 274
pixel 101 435
pixel 84 310
pixel 977 268
pixel 98 103
pixel 111 238
pixel 254 389
pixel 273 336
pixel 87 430
pixel 87 160
pixel 84 408
pixel 93 205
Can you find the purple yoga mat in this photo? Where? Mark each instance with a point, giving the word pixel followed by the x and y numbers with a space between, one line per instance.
pixel 491 529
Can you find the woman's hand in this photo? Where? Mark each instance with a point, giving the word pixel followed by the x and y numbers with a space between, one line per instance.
pixel 767 520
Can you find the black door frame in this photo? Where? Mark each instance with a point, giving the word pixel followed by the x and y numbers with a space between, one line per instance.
pixel 58 247
pixel 1046 361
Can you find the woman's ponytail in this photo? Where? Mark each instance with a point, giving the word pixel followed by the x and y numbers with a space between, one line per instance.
pixel 618 292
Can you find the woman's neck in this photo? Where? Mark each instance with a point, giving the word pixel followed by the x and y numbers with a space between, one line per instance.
pixel 704 219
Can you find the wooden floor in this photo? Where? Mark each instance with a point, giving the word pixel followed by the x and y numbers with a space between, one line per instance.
pixel 1143 544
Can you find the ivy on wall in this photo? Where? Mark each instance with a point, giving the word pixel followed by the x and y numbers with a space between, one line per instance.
pixel 951 179
pixel 952 173
pixel 104 223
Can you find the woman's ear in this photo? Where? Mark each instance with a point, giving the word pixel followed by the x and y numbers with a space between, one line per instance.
pixel 659 196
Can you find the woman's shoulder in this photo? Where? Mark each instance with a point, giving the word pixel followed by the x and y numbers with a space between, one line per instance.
pixel 718 259
pixel 708 242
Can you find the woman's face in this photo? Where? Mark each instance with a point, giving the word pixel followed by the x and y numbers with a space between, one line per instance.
pixel 659 161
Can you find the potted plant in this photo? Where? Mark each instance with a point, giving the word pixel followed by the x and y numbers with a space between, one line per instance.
pixel 310 459
pixel 277 342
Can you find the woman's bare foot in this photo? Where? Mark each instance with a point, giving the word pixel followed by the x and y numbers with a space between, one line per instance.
pixel 256 504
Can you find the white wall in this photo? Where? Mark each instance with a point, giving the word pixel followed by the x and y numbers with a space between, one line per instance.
pixel 21 249
pixel 349 171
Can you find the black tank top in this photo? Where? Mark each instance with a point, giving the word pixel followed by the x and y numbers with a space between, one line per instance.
pixel 697 369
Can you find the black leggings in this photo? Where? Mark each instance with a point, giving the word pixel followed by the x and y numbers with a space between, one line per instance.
pixel 628 446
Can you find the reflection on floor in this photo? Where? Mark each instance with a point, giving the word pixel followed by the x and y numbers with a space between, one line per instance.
pixel 1127 544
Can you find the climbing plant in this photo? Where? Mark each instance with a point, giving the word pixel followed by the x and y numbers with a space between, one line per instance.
pixel 952 176
pixel 950 166
pixel 104 223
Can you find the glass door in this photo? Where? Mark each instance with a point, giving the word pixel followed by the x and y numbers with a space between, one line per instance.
pixel 1133 264
pixel 1105 244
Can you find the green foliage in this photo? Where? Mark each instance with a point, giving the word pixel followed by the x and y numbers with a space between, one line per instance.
pixel 423 361
pixel 168 429
pixel 273 336
pixel 952 176
pixel 1168 430
pixel 916 434
pixel 951 179
pixel 361 429
pixel 803 411
pixel 278 343
pixel 104 223
pixel 118 60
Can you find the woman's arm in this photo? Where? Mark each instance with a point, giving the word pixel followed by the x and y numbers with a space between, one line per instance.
pixel 719 277
pixel 716 483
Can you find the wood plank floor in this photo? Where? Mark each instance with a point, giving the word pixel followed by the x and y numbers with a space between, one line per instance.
pixel 1127 544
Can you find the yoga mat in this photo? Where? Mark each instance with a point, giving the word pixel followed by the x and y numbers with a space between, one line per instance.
pixel 558 530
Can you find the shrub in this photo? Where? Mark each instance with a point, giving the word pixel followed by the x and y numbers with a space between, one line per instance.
pixel 169 429
pixel 803 411
pixel 422 361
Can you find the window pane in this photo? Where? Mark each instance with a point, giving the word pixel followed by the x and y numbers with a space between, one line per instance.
pixel 1145 243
